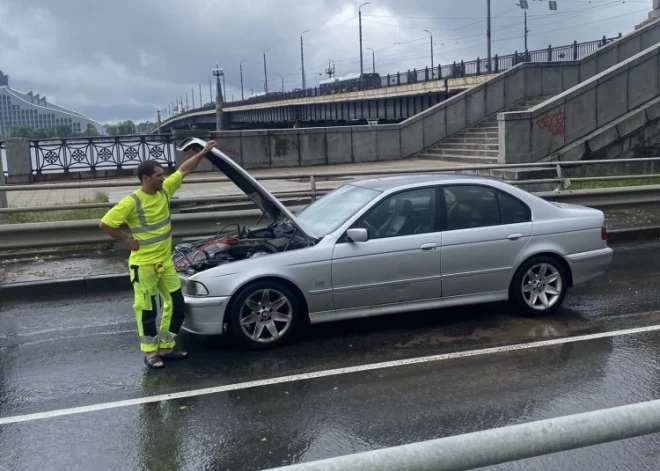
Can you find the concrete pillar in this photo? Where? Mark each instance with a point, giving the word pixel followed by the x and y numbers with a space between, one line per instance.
pixel 3 195
pixel 18 160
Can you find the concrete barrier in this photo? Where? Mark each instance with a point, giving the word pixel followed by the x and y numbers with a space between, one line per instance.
pixel 529 136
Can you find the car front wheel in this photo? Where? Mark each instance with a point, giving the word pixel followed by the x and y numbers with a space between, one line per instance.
pixel 539 286
pixel 264 315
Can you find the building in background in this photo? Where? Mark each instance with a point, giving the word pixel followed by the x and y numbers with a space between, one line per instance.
pixel 37 112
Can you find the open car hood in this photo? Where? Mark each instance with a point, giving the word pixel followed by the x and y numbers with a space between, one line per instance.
pixel 264 200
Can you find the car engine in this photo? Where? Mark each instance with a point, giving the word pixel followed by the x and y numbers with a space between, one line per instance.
pixel 191 258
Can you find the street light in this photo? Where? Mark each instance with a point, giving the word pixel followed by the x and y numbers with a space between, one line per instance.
pixel 302 60
pixel 373 57
pixel 432 69
pixel 265 72
pixel 282 81
pixel 241 67
pixel 360 21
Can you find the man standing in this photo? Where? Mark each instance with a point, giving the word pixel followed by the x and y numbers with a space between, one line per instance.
pixel 146 211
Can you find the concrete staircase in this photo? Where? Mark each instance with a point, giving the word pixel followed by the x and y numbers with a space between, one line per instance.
pixel 477 144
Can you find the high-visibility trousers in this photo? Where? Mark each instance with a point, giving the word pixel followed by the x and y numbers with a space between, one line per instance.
pixel 147 282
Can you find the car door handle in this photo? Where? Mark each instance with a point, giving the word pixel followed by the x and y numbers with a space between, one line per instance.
pixel 429 247
pixel 514 236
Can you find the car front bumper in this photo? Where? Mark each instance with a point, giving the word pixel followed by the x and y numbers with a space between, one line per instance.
pixel 589 265
pixel 205 315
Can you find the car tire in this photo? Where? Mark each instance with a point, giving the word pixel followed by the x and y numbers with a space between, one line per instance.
pixel 539 286
pixel 260 321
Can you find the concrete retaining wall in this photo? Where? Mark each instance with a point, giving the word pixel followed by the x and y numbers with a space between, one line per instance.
pixel 610 83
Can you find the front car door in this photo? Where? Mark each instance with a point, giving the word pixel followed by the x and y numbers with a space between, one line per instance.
pixel 485 230
pixel 401 260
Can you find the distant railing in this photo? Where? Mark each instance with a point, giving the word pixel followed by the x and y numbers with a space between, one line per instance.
pixel 99 153
pixel 460 69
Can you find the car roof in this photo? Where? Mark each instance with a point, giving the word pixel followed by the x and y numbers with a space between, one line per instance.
pixel 398 181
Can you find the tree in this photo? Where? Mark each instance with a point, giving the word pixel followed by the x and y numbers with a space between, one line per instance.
pixel 43 133
pixel 111 129
pixel 21 130
pixel 63 131
pixel 91 130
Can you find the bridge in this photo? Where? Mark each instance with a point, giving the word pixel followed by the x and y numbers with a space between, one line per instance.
pixel 386 99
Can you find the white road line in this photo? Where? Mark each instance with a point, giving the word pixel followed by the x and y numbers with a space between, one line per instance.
pixel 320 374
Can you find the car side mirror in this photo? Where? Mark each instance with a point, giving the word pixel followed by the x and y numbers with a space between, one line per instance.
pixel 357 235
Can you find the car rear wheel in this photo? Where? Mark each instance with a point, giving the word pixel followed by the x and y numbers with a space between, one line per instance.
pixel 264 315
pixel 539 287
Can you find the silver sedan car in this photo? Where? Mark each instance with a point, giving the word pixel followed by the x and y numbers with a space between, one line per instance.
pixel 383 246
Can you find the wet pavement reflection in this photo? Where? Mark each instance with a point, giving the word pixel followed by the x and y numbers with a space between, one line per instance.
pixel 77 352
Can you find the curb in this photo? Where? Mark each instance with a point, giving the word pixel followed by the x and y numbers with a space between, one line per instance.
pixel 30 290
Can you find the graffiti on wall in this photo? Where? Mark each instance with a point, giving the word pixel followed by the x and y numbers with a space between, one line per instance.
pixel 556 123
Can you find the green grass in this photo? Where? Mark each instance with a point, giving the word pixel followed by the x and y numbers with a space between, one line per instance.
pixel 614 183
pixel 63 215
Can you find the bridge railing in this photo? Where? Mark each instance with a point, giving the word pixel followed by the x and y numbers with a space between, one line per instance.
pixel 99 153
pixel 460 69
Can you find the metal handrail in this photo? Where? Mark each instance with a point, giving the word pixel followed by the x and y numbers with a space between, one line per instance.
pixel 316 176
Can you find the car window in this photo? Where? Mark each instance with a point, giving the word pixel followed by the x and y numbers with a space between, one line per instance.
pixel 402 214
pixel 512 210
pixel 470 206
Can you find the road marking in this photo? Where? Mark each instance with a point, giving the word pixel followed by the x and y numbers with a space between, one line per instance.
pixel 321 374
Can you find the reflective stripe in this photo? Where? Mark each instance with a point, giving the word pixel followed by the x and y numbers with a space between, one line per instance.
pixel 149 340
pixel 166 336
pixel 152 227
pixel 144 227
pixel 155 239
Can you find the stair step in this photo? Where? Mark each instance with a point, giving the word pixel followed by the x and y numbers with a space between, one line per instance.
pixel 467 145
pixel 458 158
pixel 471 140
pixel 467 152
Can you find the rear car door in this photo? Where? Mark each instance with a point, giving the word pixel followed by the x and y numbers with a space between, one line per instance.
pixel 484 231
pixel 401 260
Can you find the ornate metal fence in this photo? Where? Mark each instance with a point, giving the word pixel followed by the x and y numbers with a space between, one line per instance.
pixel 100 153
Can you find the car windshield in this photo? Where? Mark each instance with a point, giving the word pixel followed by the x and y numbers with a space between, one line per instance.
pixel 332 210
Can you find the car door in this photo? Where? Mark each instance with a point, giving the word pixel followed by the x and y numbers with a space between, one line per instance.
pixel 484 231
pixel 401 260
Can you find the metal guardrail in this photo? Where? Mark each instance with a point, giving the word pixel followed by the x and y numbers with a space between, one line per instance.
pixel 502 445
pixel 460 69
pixel 557 167
pixel 87 232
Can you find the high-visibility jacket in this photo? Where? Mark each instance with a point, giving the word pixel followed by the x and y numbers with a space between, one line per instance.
pixel 148 218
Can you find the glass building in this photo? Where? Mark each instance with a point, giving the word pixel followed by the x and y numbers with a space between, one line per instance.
pixel 36 112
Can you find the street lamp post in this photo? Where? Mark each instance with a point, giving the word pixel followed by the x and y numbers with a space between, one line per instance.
pixel 360 21
pixel 265 72
pixel 241 67
pixel 488 33
pixel 218 72
pixel 302 60
pixel 373 59
pixel 432 66
pixel 282 78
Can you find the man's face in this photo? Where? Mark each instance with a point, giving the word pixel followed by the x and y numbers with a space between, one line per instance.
pixel 155 180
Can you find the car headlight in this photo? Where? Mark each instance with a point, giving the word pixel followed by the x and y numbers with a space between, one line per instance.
pixel 194 288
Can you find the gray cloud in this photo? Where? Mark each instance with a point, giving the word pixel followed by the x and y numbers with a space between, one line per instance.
pixel 124 59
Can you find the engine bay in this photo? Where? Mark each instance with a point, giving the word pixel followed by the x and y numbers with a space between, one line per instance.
pixel 227 247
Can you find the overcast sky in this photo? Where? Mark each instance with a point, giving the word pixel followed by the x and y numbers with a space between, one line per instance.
pixel 123 59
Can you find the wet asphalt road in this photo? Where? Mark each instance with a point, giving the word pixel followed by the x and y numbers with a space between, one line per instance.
pixel 77 352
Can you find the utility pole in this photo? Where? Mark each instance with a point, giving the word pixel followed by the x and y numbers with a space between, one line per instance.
pixel 265 72
pixel 360 21
pixel 218 98
pixel 302 60
pixel 187 101
pixel 241 67
pixel 201 102
pixel 373 59
pixel 526 31
pixel 488 33
pixel 282 78
pixel 432 66
pixel 192 94
pixel 159 121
